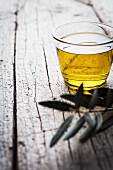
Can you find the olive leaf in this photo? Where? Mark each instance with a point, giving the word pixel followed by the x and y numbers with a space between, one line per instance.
pixel 88 132
pixel 96 120
pixel 62 106
pixel 74 128
pixel 73 98
pixel 99 121
pixel 102 92
pixel 109 98
pixel 61 130
pixel 69 97
pixel 90 119
pixel 94 99
pixel 108 123
pixel 79 96
pixel 85 100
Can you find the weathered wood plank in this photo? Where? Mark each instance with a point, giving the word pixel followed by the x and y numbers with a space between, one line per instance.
pixel 39 78
pixel 7 25
pixel 33 84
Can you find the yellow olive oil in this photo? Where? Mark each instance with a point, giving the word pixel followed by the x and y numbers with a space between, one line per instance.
pixel 87 64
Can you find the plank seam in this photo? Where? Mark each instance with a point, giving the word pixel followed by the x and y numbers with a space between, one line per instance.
pixel 49 84
pixel 96 156
pixel 15 151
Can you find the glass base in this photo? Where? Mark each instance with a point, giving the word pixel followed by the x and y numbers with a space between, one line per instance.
pixel 92 85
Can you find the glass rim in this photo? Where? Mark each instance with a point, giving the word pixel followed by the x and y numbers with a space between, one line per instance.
pixel 66 42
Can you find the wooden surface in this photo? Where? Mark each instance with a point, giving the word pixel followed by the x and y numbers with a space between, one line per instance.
pixel 30 73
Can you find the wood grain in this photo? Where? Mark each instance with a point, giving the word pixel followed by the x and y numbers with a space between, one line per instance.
pixel 30 73
pixel 7 26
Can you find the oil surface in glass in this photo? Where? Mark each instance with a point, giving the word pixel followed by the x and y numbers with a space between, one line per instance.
pixel 88 66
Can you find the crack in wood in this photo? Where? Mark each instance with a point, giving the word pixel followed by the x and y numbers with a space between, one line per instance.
pixel 96 155
pixel 37 108
pixel 40 118
pixel 96 13
pixel 47 70
pixel 84 2
pixel 70 151
pixel 92 6
pixel 44 143
pixel 105 151
pixel 69 145
pixel 57 161
pixel 21 7
pixel 107 163
pixel 15 149
pixel 100 19
pixel 108 141
pixel 89 3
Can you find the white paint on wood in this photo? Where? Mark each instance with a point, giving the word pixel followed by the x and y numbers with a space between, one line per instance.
pixel 38 78
pixel 6 92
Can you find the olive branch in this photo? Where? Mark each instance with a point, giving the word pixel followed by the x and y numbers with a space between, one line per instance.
pixel 98 114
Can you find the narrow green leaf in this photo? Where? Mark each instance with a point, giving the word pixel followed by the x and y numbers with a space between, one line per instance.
pixel 108 123
pixel 80 91
pixel 94 99
pixel 101 102
pixel 109 98
pixel 62 106
pixel 73 98
pixel 79 96
pixel 61 130
pixel 74 128
pixel 102 92
pixel 70 97
pixel 99 121
pixel 88 132
pixel 85 100
pixel 90 118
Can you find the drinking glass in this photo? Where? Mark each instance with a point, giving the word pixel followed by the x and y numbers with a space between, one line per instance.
pixel 85 52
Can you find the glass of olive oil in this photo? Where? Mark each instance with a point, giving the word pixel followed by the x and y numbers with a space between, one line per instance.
pixel 85 52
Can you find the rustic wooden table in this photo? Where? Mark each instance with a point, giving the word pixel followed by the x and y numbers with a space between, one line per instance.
pixel 30 73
